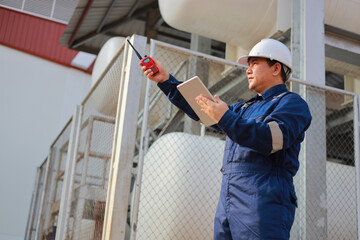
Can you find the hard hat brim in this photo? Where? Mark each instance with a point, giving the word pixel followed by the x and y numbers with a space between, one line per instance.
pixel 243 60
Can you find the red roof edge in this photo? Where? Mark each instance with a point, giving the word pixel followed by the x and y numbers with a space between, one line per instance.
pixel 36 36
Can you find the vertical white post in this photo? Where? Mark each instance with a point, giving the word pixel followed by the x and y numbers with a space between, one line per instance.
pixel 81 201
pixel 44 194
pixel 124 144
pixel 309 62
pixel 199 67
pixel 142 150
pixel 34 200
pixel 357 159
pixel 65 203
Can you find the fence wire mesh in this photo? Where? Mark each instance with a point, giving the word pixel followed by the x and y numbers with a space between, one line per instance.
pixel 340 167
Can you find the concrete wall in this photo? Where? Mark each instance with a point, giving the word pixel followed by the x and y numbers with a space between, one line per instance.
pixel 37 98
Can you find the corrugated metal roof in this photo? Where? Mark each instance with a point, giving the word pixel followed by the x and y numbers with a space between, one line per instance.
pixel 58 10
pixel 35 35
pixel 94 22
pixel 104 19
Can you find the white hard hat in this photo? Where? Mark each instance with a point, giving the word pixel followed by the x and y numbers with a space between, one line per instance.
pixel 272 49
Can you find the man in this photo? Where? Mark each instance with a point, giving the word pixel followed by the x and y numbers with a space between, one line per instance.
pixel 257 199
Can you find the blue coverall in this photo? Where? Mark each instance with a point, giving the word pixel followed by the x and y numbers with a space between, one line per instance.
pixel 257 198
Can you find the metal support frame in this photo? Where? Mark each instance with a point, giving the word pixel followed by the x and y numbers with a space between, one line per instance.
pixel 66 194
pixel 124 144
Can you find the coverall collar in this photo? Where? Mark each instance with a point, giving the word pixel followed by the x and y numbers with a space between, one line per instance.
pixel 274 90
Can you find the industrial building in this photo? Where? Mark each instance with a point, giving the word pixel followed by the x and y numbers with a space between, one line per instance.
pixel 126 164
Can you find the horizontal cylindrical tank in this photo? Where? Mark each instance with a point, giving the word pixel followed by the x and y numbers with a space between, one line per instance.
pixel 104 98
pixel 239 23
pixel 242 23
pixel 343 14
pixel 180 187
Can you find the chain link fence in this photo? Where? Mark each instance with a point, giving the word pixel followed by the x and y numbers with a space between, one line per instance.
pixel 181 178
pixel 174 174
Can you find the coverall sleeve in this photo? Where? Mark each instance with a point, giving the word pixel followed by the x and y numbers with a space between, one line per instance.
pixel 169 89
pixel 278 130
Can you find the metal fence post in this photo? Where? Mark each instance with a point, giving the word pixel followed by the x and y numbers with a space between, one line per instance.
pixel 357 159
pixel 65 204
pixel 124 144
pixel 32 204
pixel 43 194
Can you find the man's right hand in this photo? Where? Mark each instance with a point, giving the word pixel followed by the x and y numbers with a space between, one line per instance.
pixel 160 76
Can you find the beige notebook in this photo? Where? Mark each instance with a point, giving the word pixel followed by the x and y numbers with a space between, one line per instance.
pixel 190 90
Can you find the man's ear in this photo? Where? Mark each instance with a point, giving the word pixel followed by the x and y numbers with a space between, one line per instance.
pixel 276 69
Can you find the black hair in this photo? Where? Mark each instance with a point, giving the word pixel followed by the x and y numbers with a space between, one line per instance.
pixel 285 71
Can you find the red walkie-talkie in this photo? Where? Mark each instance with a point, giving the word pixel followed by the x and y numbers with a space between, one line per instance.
pixel 148 62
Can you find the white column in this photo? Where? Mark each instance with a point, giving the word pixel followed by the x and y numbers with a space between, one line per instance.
pixel 309 64
pixel 65 203
pixel 199 67
pixel 124 143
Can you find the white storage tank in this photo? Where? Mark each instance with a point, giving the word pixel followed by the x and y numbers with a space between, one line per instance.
pixel 106 95
pixel 180 187
pixel 242 23
pixel 238 23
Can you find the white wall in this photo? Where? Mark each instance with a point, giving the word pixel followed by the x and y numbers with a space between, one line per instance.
pixel 37 98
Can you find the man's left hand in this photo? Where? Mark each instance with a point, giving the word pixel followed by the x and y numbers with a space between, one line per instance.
pixel 215 110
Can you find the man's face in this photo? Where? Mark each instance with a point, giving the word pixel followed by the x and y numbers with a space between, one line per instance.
pixel 259 74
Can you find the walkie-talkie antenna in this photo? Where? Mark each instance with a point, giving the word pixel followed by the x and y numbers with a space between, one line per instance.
pixel 146 61
pixel 137 53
